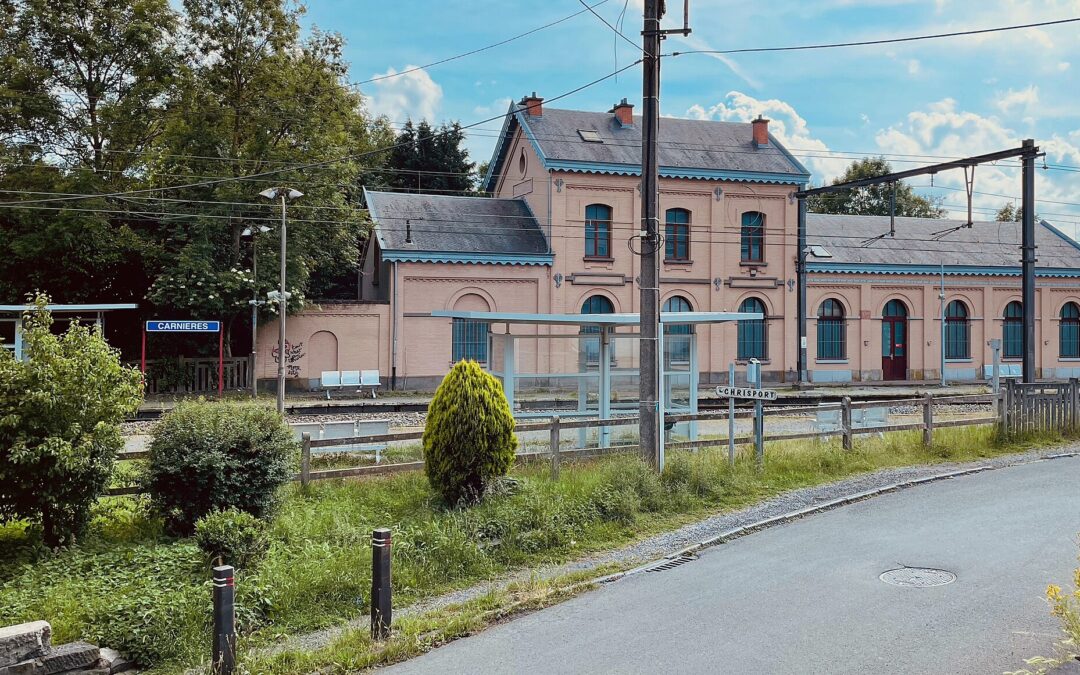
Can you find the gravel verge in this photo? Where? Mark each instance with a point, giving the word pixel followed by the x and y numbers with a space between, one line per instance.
pixel 669 543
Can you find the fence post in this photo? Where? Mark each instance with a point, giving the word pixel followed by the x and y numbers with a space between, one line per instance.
pixel 928 420
pixel 731 417
pixel 305 460
pixel 555 443
pixel 1010 407
pixel 1074 385
pixel 223 657
pixel 845 421
pixel 381 608
pixel 759 420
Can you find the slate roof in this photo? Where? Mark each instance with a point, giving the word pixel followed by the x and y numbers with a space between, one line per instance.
pixel 455 225
pixel 985 244
pixel 688 148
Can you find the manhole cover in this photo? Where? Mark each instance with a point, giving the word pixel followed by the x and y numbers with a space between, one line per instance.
pixel 918 577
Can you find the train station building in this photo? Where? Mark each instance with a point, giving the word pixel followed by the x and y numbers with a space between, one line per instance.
pixel 560 236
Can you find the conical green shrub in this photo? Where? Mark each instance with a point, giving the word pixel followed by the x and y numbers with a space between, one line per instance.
pixel 469 438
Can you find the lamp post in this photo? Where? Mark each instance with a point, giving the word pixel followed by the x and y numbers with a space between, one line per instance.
pixel 284 194
pixel 255 303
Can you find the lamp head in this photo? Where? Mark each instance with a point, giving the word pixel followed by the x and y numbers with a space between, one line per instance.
pixel 287 193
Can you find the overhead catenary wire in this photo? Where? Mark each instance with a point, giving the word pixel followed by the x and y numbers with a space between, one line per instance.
pixel 864 43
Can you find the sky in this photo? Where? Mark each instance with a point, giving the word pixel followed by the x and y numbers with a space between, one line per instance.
pixel 916 103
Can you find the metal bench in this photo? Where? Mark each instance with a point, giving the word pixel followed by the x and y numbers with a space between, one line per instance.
pixel 345 429
pixel 340 379
pixel 370 378
pixel 1004 370
pixel 828 419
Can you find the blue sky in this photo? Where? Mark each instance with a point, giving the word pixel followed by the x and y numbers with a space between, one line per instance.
pixel 946 98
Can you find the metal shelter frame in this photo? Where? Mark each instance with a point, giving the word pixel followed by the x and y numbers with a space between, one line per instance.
pixel 1027 152
pixel 605 324
pixel 98 310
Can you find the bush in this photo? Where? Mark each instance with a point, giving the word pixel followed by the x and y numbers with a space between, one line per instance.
pixel 237 537
pixel 60 414
pixel 469 438
pixel 214 456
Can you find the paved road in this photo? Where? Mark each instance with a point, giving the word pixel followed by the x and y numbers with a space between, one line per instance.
pixel 806 597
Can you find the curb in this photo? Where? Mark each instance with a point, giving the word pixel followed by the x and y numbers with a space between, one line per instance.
pixel 690 552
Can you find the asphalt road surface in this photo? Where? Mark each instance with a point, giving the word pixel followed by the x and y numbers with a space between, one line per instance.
pixel 807 598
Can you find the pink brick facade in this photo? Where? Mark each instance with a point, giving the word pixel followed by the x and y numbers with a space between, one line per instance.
pixel 394 333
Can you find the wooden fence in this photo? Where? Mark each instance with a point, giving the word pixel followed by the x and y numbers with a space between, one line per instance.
pixel 1040 406
pixel 196 376
pixel 1022 406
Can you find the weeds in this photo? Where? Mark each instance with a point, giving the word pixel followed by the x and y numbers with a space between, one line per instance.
pixel 135 589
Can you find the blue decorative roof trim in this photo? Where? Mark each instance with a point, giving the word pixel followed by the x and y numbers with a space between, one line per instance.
pixel 791 158
pixel 671 172
pixel 466 258
pixel 959 270
pixel 1072 242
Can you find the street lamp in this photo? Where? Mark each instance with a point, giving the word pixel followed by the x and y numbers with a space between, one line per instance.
pixel 284 194
pixel 255 302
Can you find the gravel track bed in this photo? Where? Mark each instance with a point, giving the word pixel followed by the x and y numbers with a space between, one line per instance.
pixel 655 547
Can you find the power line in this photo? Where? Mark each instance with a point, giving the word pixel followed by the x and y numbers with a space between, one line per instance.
pixel 615 30
pixel 481 49
pixel 862 43
pixel 328 162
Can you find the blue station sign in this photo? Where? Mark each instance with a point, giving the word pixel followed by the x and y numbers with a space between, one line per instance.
pixel 185 326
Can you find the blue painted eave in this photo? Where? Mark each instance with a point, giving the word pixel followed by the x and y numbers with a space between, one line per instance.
pixel 679 172
pixel 955 270
pixel 468 258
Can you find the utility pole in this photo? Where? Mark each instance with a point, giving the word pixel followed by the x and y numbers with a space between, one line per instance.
pixel 800 273
pixel 284 194
pixel 1027 256
pixel 649 362
pixel 650 358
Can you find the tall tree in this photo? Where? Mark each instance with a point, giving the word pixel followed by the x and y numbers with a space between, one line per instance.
pixel 874 200
pixel 81 90
pixel 258 98
pixel 430 159
pixel 1009 213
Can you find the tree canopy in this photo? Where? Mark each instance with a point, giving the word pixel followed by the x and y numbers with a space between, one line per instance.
pixel 874 200
pixel 430 159
pixel 137 134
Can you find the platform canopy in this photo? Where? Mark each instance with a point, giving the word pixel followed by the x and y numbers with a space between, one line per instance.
pixel 13 314
pixel 624 319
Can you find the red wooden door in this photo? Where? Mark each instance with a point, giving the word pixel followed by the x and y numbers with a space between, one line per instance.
pixel 894 341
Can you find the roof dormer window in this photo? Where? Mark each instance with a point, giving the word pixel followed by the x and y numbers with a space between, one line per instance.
pixel 590 136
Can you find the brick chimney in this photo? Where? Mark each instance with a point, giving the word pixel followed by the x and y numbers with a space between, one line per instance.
pixel 534 105
pixel 624 112
pixel 761 132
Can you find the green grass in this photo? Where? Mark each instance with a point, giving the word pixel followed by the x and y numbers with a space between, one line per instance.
pixel 130 587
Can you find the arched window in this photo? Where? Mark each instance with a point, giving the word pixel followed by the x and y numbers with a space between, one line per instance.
pixel 1069 331
pixel 594 304
pixel 894 308
pixel 957 331
pixel 831 331
pixel 470 336
pixel 677 235
pixel 678 344
pixel 1012 331
pixel 753 237
pixel 597 231
pixel 753 333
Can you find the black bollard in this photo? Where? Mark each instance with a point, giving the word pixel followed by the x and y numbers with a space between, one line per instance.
pixel 381 611
pixel 224 656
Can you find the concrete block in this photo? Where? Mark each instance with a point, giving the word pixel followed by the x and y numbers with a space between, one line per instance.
pixel 24 642
pixel 72 656
pixel 114 661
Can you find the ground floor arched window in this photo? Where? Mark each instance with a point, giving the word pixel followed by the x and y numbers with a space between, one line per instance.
pixel 677 335
pixel 753 334
pixel 831 331
pixel 957 331
pixel 1012 331
pixel 1069 331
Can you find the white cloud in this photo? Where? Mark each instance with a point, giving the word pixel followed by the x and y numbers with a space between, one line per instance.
pixel 914 67
pixel 1021 100
pixel 942 130
pixel 496 107
pixel 785 124
pixel 1063 66
pixel 412 95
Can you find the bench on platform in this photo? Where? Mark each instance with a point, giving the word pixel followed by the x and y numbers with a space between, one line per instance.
pixel 828 419
pixel 340 379
pixel 1004 370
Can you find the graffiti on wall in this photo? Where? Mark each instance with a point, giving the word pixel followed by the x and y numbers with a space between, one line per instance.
pixel 293 353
